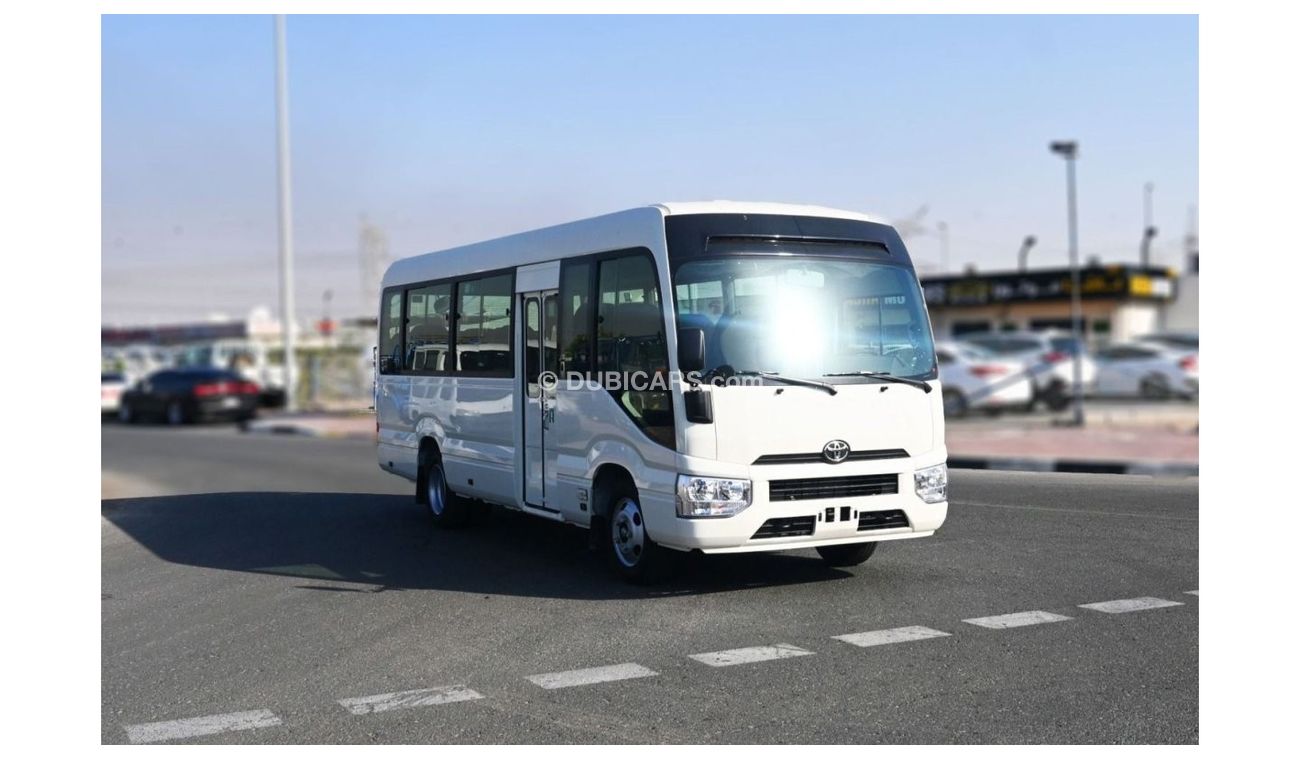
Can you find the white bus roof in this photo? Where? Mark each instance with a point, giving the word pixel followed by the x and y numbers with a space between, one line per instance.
pixel 622 229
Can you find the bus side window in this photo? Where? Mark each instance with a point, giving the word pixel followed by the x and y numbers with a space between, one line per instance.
pixel 483 326
pixel 428 312
pixel 630 341
pixel 575 318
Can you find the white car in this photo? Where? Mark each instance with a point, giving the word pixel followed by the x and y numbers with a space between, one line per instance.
pixel 973 378
pixel 1048 356
pixel 1146 370
pixel 111 387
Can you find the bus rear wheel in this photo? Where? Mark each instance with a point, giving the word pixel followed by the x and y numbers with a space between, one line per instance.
pixel 847 555
pixel 444 507
pixel 628 547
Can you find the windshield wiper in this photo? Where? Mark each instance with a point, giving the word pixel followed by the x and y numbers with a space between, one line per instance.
pixel 788 380
pixel 885 377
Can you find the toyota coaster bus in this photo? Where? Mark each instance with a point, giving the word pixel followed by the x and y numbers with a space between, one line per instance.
pixel 714 377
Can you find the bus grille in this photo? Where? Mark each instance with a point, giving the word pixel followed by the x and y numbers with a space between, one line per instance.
pixel 779 527
pixel 816 456
pixel 894 518
pixel 798 489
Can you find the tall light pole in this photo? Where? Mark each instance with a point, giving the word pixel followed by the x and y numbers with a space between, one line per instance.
pixel 1069 150
pixel 286 218
pixel 1148 226
pixel 1023 257
pixel 942 227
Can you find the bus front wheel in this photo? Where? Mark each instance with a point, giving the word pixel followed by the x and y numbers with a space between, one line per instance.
pixel 628 547
pixel 846 555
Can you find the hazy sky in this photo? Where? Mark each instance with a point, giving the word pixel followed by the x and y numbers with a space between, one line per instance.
pixel 447 130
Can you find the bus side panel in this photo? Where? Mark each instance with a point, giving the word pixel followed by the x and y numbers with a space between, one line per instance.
pixel 473 421
pixel 589 430
pixel 397 445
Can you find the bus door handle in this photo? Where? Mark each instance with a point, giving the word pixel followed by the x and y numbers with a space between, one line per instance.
pixel 548 410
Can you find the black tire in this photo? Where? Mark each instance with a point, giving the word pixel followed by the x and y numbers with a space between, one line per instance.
pixel 1155 388
pixel 954 403
pixel 847 555
pixel 125 415
pixel 1055 397
pixel 628 548
pixel 444 508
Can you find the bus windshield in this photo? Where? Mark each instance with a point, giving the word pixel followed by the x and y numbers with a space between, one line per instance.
pixel 806 317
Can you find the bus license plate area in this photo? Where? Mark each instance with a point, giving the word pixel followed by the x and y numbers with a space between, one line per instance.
pixel 841 514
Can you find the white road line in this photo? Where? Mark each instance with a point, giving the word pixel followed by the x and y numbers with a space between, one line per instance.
pixel 1131 605
pixel 170 730
pixel 400 700
pixel 749 654
pixel 1193 593
pixel 567 678
pixel 890 636
pixel 1017 619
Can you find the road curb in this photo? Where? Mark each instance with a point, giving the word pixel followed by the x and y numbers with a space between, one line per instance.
pixel 1168 469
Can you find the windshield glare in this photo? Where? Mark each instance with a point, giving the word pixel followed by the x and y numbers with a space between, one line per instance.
pixel 806 317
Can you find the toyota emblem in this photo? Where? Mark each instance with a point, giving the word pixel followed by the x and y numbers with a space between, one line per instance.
pixel 835 452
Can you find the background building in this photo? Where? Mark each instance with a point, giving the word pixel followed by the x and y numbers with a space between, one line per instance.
pixel 1120 301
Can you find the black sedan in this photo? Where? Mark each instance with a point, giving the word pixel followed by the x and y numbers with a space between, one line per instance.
pixel 181 396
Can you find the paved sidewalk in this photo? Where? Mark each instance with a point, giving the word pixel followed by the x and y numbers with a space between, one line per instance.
pixel 1095 448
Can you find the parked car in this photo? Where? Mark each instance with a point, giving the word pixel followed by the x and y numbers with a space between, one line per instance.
pixel 1047 357
pixel 111 387
pixel 974 378
pixel 1146 370
pixel 181 396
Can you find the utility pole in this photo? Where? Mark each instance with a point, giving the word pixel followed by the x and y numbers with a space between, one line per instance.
pixel 286 218
pixel 942 227
pixel 1069 150
pixel 1148 227
pixel 1023 257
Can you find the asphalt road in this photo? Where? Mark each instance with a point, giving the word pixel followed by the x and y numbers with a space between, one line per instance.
pixel 252 583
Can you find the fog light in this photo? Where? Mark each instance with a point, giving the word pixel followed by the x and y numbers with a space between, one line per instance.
pixel 932 483
pixel 711 497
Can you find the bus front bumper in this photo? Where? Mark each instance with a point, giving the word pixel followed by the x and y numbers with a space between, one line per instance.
pixel 769 524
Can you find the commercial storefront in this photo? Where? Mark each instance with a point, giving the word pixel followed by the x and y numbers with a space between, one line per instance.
pixel 1120 302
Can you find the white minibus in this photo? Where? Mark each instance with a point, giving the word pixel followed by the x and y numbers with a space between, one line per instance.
pixel 714 377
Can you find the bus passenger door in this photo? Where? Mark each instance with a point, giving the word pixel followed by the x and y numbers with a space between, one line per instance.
pixel 539 310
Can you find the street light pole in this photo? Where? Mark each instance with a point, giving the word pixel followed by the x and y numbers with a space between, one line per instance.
pixel 943 245
pixel 286 218
pixel 1029 242
pixel 1069 150
pixel 1148 226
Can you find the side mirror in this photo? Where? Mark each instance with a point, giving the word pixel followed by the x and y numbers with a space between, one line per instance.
pixel 690 349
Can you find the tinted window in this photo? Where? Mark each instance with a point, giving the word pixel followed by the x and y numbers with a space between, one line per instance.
pixel 988 344
pixel 390 333
pixel 630 341
pixel 630 321
pixel 1015 345
pixel 428 328
pixel 575 318
pixel 1064 344
pixel 483 325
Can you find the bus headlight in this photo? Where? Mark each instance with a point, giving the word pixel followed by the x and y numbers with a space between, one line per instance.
pixel 932 483
pixel 711 497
